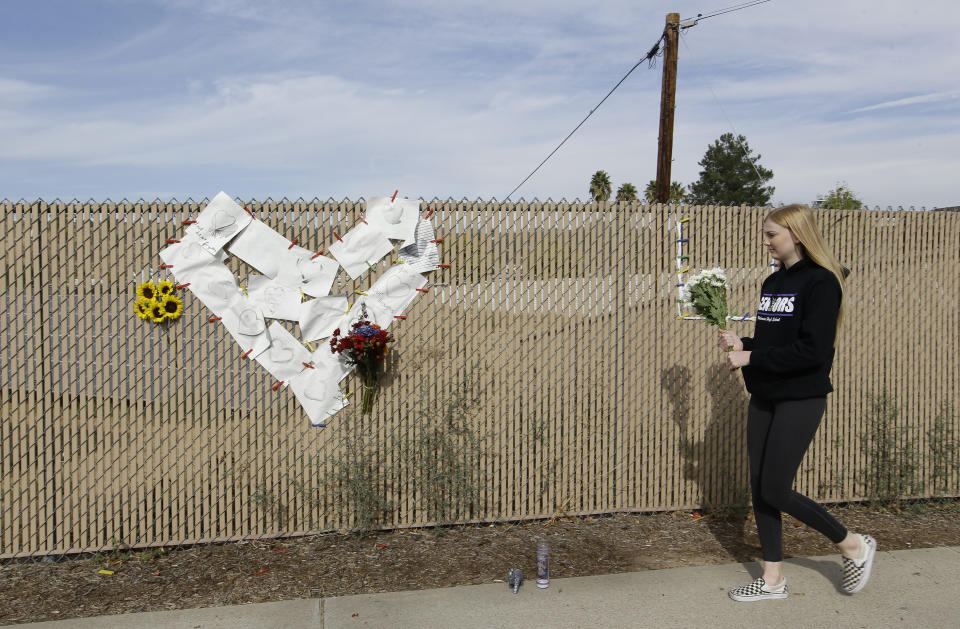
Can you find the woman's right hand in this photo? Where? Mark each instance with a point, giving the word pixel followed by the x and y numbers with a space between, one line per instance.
pixel 729 341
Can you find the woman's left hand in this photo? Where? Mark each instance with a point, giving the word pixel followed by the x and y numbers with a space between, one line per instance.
pixel 735 359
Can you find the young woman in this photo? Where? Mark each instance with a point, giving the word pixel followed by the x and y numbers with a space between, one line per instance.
pixel 786 368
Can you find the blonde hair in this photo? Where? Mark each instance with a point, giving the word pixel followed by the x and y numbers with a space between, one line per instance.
pixel 799 219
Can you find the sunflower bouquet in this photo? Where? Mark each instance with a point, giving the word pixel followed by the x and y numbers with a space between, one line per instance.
pixel 157 302
pixel 706 294
pixel 366 347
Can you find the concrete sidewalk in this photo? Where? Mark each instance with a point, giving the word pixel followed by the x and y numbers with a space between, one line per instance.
pixel 908 588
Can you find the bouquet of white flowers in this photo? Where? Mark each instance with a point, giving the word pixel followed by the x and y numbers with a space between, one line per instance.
pixel 706 294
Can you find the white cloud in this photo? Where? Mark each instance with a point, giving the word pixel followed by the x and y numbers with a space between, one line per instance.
pixel 464 98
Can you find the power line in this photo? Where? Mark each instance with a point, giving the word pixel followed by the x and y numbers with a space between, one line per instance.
pixel 730 9
pixel 746 155
pixel 654 51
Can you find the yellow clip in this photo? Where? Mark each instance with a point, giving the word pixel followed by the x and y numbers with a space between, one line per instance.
pixel 348 395
pixel 303 296
pixel 684 269
pixel 309 346
pixel 684 220
pixel 243 287
pixel 398 261
pixel 107 572
pixel 359 292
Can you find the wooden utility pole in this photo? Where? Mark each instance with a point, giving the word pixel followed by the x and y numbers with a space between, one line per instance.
pixel 668 95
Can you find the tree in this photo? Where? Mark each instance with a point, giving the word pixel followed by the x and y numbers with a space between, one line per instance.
pixel 840 198
pixel 677 192
pixel 626 193
pixel 600 186
pixel 730 176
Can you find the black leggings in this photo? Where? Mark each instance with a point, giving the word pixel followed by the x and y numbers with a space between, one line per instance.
pixel 778 434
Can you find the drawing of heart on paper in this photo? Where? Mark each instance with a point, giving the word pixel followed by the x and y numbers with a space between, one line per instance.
pixel 398 287
pixel 318 394
pixel 222 289
pixel 393 214
pixel 250 322
pixel 317 390
pixel 286 356
pixel 280 353
pixel 273 298
pixel 244 322
pixel 224 224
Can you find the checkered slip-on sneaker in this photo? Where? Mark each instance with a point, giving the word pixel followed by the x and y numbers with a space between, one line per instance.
pixel 857 571
pixel 758 591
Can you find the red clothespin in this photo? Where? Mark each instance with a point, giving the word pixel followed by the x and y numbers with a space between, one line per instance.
pixel 292 243
pixel 444 266
pixel 189 222
pixel 213 319
pixel 337 236
pixel 430 213
pixel 399 316
pixel 247 353
pixel 165 266
pixel 250 213
pixel 277 386
pixel 308 365
pixel 424 290
pixel 364 220
pixel 172 241
pixel 437 240
pixel 179 286
pixel 394 196
pixel 265 570
pixel 317 254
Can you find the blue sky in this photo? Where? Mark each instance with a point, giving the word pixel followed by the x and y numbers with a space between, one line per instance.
pixel 183 98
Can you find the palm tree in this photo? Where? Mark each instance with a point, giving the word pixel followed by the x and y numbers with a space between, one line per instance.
pixel 600 186
pixel 677 192
pixel 626 193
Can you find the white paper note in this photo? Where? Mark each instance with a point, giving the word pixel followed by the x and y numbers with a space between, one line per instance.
pixel 187 256
pixel 319 394
pixel 318 317
pixel 329 363
pixel 245 323
pixel 275 300
pixel 285 357
pixel 422 255
pixel 362 245
pixel 396 219
pixel 261 247
pixel 397 287
pixel 219 222
pixel 302 269
pixel 214 285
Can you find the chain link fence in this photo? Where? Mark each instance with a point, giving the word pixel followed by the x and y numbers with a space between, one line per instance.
pixel 545 372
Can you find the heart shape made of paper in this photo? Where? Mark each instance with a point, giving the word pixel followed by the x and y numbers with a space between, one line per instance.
pixel 280 353
pixel 250 322
pixel 316 390
pixel 224 223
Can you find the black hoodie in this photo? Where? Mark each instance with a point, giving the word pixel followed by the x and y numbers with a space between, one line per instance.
pixel 792 344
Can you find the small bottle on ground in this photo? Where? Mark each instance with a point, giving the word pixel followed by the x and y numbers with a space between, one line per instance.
pixel 543 564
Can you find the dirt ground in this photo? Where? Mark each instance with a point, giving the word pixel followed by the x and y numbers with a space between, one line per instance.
pixel 337 564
